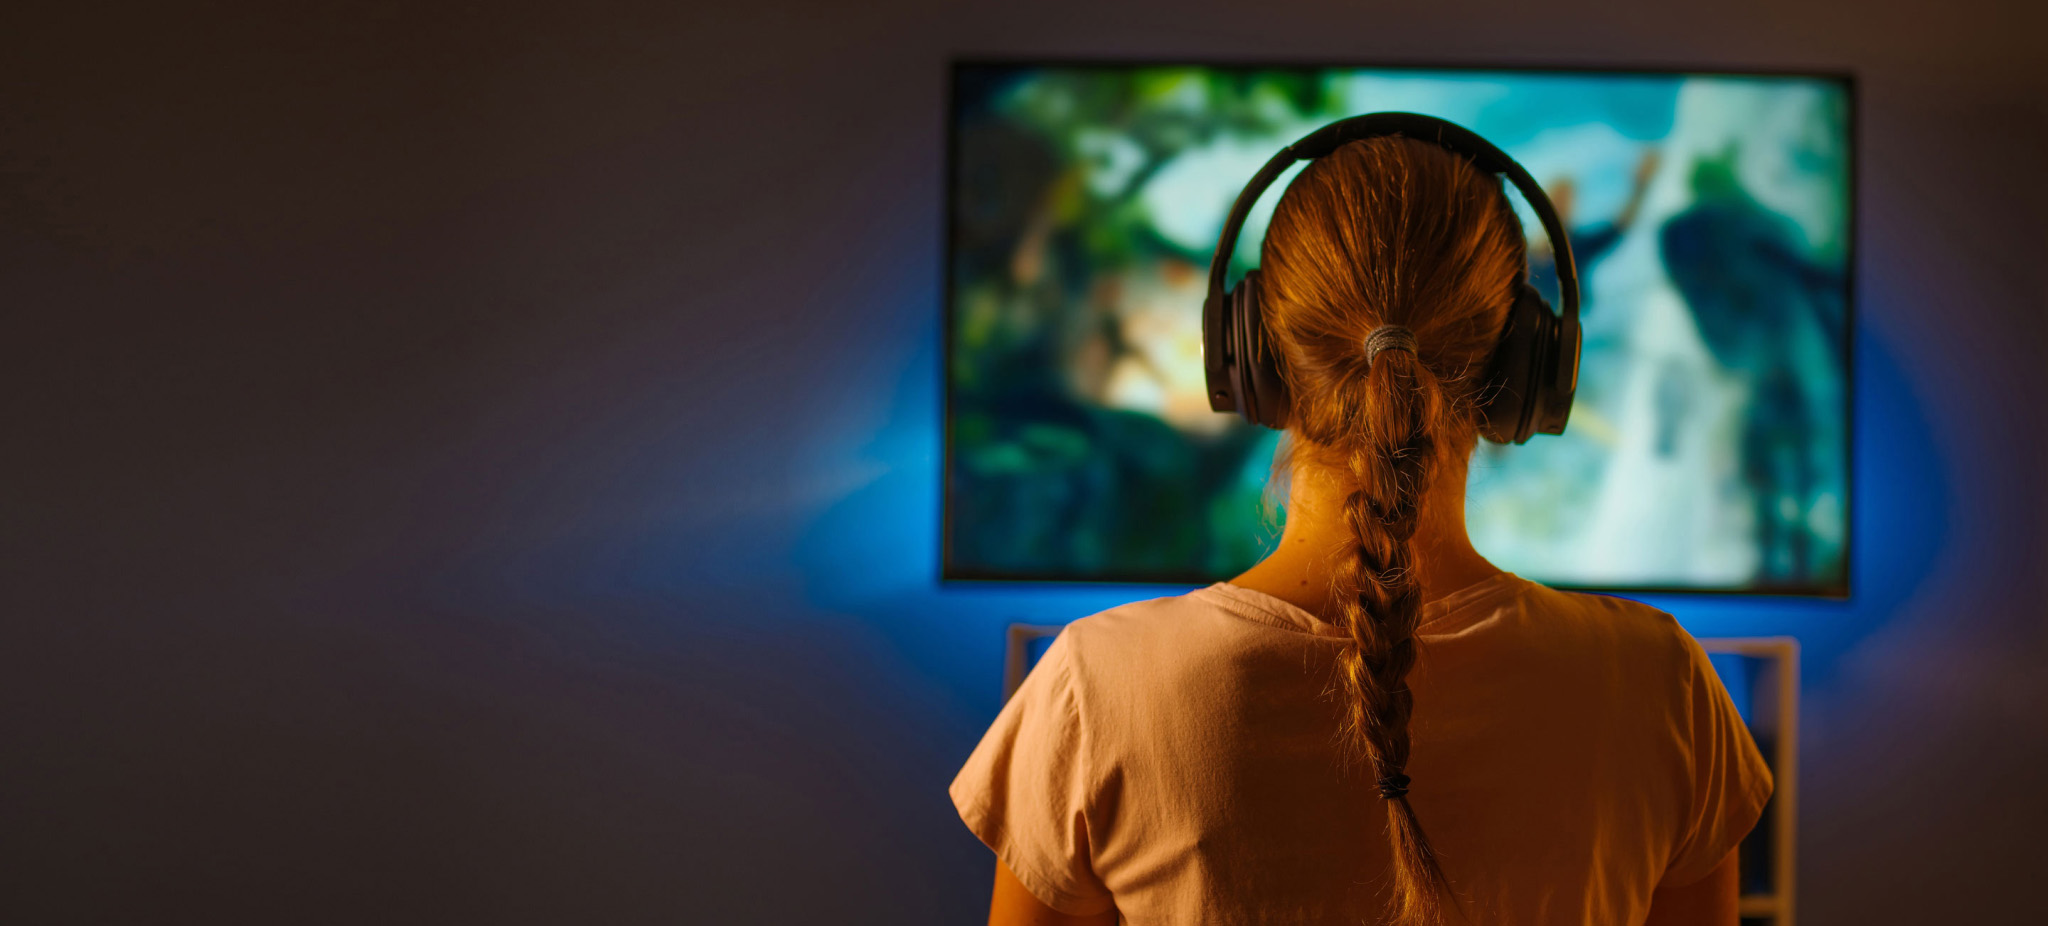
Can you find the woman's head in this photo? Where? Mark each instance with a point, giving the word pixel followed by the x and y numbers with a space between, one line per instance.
pixel 1387 231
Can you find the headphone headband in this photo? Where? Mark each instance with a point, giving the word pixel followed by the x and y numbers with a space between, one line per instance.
pixel 1445 134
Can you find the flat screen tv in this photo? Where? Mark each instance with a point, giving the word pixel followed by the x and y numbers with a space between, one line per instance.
pixel 1711 214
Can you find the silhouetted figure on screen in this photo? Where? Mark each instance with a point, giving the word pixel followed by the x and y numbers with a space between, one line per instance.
pixel 1591 243
pixel 1761 306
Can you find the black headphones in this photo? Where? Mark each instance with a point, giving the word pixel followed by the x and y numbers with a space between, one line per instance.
pixel 1535 368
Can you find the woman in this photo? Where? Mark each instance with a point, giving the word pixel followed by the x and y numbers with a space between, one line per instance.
pixel 1374 724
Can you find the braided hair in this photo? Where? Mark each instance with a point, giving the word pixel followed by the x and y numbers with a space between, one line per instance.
pixel 1388 232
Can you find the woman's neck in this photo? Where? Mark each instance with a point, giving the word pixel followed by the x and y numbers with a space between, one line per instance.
pixel 1300 568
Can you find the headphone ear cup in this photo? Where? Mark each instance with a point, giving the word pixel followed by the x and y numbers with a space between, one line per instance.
pixel 1561 376
pixel 1262 393
pixel 1218 352
pixel 1226 350
pixel 1515 382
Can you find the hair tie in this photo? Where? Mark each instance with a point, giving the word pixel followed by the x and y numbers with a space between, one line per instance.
pixel 1388 337
pixel 1394 786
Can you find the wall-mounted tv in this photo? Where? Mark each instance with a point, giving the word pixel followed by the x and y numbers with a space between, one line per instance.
pixel 1712 219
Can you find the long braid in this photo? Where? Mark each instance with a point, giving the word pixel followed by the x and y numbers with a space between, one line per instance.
pixel 1388 232
pixel 1390 462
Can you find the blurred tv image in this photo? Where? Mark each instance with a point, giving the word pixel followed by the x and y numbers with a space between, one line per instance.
pixel 1711 220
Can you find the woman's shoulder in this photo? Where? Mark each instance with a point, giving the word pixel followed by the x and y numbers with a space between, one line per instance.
pixel 1142 624
pixel 1218 613
pixel 1603 609
pixel 1609 628
pixel 1155 641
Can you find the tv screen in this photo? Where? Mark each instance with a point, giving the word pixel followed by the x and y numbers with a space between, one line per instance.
pixel 1711 219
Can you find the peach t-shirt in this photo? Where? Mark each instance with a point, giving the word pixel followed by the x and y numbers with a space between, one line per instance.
pixel 1175 758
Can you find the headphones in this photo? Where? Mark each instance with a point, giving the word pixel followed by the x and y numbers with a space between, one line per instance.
pixel 1535 367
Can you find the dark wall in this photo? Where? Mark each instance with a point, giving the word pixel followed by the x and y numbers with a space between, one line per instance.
pixel 476 464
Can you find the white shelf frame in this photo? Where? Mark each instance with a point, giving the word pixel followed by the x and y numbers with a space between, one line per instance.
pixel 1781 656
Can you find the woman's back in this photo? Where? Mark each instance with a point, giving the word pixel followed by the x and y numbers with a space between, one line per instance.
pixel 1440 740
pixel 1179 756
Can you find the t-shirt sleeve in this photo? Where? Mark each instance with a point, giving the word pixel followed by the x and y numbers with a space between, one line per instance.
pixel 1026 789
pixel 1730 781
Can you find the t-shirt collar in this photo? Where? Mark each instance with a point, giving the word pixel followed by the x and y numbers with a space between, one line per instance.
pixel 1441 615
